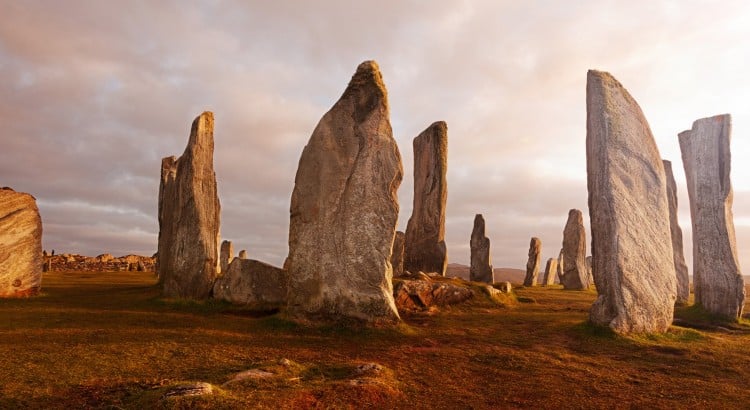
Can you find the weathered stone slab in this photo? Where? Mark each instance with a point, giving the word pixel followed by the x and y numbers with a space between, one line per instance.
pixel 681 270
pixel 532 265
pixel 550 271
pixel 251 282
pixel 631 241
pixel 226 254
pixel 481 263
pixel 344 209
pixel 189 217
pixel 425 249
pixel 717 277
pixel 574 274
pixel 397 255
pixel 20 245
pixel 421 294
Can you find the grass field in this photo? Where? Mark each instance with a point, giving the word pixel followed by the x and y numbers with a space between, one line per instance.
pixel 106 340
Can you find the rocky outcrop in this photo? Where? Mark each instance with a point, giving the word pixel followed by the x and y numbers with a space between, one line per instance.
pixel 681 270
pixel 574 274
pixel 344 209
pixel 717 278
pixel 481 264
pixel 80 263
pixel 415 295
pixel 425 233
pixel 189 217
pixel 550 271
pixel 251 282
pixel 631 241
pixel 20 245
pixel 226 254
pixel 397 255
pixel 532 265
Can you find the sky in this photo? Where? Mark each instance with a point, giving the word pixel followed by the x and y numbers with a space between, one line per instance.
pixel 95 93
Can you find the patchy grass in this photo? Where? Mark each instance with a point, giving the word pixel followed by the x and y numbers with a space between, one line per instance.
pixel 107 340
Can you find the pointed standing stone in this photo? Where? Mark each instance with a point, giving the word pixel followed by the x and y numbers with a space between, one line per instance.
pixel 717 278
pixel 20 245
pixel 189 217
pixel 683 279
pixel 425 250
pixel 397 255
pixel 532 266
pixel 481 263
pixel 226 255
pixel 550 271
pixel 631 241
pixel 344 209
pixel 574 274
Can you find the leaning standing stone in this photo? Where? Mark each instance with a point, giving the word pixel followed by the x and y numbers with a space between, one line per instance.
pixel 631 241
pixel 550 271
pixel 226 254
pixel 535 258
pixel 20 245
pixel 481 264
pixel 344 209
pixel 719 286
pixel 683 280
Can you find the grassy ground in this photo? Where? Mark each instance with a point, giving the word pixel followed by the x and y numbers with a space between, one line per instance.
pixel 106 340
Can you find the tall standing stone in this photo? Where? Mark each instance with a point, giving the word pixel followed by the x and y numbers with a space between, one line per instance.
pixel 425 233
pixel 226 254
pixel 550 271
pixel 344 209
pixel 397 255
pixel 683 280
pixel 574 273
pixel 532 266
pixel 189 216
pixel 20 245
pixel 719 287
pixel 631 241
pixel 481 263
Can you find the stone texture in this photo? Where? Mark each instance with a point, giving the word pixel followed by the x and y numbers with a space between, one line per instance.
pixel 425 233
pixel 20 245
pixel 226 254
pixel 574 274
pixel 397 255
pixel 251 282
pixel 189 389
pixel 717 278
pixel 422 294
pixel 532 265
pixel 550 271
pixel 590 269
pixel 242 254
pixel 631 241
pixel 344 209
pixel 481 263
pixel 189 217
pixel 681 270
pixel 560 265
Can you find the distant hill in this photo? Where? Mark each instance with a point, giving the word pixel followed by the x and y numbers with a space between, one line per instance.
pixel 501 274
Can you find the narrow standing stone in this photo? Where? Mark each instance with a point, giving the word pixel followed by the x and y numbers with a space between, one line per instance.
pixel 719 286
pixel 574 273
pixel 683 279
pixel 226 255
pixel 532 266
pixel 20 245
pixel 550 271
pixel 397 255
pixel 631 241
pixel 481 263
pixel 242 254
pixel 424 250
pixel 560 265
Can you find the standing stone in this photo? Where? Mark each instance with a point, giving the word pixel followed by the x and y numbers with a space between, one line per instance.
pixel 20 245
pixel 550 271
pixel 344 209
pixel 397 255
pixel 189 217
pixel 251 282
pixel 590 270
pixel 226 255
pixel 683 280
pixel 574 273
pixel 717 278
pixel 481 263
pixel 560 265
pixel 425 250
pixel 631 241
pixel 242 254
pixel 535 258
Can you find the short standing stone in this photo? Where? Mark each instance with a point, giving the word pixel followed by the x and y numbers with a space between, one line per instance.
pixel 344 209
pixel 251 282
pixel 683 279
pixel 20 245
pixel 481 263
pixel 397 255
pixel 717 278
pixel 532 265
pixel 189 217
pixel 550 271
pixel 425 233
pixel 574 276
pixel 631 241
pixel 242 254
pixel 226 254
